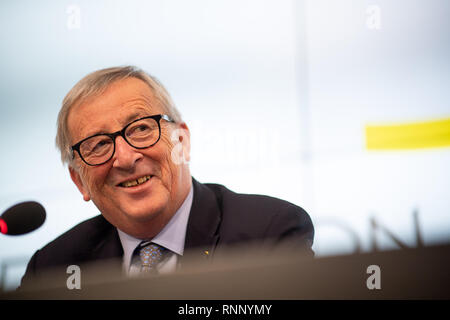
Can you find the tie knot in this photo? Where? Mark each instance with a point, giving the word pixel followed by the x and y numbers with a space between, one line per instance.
pixel 151 254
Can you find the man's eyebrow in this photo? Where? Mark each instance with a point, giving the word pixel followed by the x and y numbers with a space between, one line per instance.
pixel 129 119
pixel 135 116
pixel 96 132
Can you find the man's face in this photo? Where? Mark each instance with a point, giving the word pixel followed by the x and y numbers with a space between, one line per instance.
pixel 142 210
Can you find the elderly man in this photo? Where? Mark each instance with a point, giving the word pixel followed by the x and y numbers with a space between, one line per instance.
pixel 127 149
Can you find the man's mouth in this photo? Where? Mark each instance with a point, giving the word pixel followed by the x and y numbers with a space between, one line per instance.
pixel 133 183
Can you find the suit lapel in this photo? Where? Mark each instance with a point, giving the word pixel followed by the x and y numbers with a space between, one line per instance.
pixel 202 233
pixel 108 247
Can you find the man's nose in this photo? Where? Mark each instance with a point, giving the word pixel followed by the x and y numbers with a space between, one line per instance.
pixel 125 156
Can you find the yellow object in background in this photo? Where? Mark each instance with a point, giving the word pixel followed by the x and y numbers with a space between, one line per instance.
pixel 416 135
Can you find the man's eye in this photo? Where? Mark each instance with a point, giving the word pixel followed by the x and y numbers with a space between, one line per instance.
pixel 139 130
pixel 142 127
pixel 100 146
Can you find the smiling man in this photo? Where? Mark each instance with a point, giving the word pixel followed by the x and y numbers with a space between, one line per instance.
pixel 127 149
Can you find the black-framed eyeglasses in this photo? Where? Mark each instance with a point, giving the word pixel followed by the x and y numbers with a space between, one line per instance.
pixel 140 134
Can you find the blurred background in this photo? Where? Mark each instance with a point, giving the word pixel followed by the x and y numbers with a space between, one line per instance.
pixel 341 107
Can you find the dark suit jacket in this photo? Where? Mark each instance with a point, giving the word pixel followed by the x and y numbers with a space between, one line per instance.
pixel 219 218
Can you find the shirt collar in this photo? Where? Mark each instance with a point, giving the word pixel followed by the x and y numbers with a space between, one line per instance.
pixel 171 237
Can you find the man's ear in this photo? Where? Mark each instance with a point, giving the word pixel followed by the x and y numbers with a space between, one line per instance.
pixel 75 175
pixel 185 140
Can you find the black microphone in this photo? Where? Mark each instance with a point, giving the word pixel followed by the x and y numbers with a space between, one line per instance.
pixel 22 218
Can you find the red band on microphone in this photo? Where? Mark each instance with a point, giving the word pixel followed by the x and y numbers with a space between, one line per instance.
pixel 3 227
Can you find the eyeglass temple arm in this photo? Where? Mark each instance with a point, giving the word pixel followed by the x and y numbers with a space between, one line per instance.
pixel 167 118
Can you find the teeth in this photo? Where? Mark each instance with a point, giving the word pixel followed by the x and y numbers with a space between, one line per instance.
pixel 136 182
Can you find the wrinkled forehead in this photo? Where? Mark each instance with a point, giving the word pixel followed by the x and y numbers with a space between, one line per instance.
pixel 120 103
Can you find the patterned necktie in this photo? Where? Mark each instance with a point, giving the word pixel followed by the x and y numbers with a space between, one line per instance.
pixel 151 254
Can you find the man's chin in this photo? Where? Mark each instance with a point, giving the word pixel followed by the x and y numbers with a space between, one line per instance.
pixel 144 214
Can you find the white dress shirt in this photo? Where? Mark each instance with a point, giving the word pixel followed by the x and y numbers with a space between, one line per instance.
pixel 171 237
